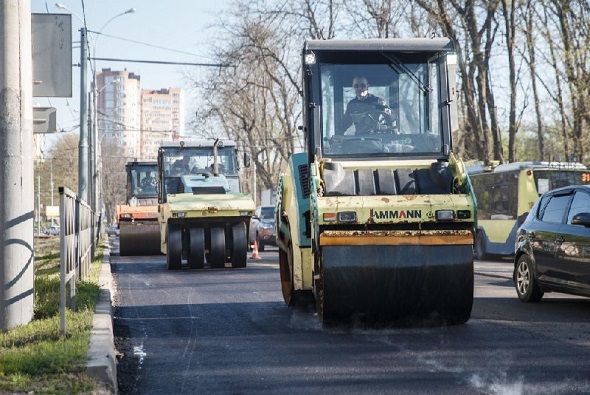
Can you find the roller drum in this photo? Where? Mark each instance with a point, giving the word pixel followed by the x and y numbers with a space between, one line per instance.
pixel 413 285
pixel 139 238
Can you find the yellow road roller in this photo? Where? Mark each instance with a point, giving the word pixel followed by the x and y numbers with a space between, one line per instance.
pixel 375 220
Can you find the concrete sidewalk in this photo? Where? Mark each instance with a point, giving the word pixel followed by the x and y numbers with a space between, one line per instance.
pixel 101 362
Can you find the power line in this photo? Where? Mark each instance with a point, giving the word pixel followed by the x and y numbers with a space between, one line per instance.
pixel 163 62
pixel 148 45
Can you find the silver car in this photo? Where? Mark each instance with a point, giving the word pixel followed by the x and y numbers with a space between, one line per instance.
pixel 262 227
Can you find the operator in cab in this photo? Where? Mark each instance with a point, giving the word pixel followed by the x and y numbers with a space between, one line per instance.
pixel 366 111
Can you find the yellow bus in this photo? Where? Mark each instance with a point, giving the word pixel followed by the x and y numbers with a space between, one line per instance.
pixel 506 193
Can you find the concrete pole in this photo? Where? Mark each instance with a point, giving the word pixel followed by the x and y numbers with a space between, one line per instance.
pixel 17 192
pixel 92 153
pixel 83 144
pixel 38 205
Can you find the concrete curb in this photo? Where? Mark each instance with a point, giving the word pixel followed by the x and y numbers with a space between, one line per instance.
pixel 101 357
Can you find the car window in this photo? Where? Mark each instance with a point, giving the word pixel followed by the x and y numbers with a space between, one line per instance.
pixel 555 209
pixel 540 206
pixel 580 204
pixel 267 213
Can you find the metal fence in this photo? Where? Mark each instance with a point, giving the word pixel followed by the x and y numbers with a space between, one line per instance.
pixel 76 247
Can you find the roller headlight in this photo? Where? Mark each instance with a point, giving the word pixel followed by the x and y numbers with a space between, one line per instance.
pixel 445 215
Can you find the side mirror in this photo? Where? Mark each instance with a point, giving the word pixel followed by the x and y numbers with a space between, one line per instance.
pixel 246 160
pixel 581 219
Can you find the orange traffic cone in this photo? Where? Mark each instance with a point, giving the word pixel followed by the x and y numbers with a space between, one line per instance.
pixel 255 251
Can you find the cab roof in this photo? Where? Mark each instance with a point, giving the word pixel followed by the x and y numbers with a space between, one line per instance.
pixel 197 143
pixel 383 44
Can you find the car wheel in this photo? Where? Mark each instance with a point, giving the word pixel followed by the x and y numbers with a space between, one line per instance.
pixel 261 246
pixel 480 247
pixel 525 282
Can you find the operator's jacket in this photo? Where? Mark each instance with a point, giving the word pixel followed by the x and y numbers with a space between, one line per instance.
pixel 356 107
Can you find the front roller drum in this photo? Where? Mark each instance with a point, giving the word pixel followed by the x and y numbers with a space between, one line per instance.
pixel 408 285
pixel 139 238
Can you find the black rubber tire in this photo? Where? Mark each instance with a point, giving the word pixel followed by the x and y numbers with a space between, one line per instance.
pixel 525 283
pixel 260 246
pixel 239 253
pixel 217 248
pixel 174 247
pixel 479 249
pixel 196 256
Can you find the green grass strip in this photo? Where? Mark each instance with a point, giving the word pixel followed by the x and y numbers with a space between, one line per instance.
pixel 34 358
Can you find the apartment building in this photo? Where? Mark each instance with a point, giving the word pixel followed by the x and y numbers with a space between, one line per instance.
pixel 119 110
pixel 162 119
pixel 137 119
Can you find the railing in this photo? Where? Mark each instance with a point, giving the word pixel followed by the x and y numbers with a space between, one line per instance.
pixel 76 247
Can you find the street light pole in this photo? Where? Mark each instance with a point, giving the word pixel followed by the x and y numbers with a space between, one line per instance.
pixel 94 166
pixel 87 165
pixel 83 144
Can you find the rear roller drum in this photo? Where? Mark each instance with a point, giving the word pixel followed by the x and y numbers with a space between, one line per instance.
pixel 174 247
pixel 239 253
pixel 196 256
pixel 217 248
pixel 290 295
pixel 318 290
pixel 285 265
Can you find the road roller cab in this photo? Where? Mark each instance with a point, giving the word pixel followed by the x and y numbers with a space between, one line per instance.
pixel 139 232
pixel 375 220
pixel 204 216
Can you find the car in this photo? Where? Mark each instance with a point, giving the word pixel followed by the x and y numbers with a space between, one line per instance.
pixel 113 230
pixel 262 227
pixel 52 230
pixel 552 249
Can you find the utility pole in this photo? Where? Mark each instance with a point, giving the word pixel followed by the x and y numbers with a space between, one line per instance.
pixel 83 144
pixel 17 192
pixel 38 205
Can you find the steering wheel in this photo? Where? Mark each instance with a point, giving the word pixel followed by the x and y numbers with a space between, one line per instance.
pixel 372 120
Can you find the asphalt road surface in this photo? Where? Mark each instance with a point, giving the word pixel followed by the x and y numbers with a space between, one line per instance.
pixel 229 332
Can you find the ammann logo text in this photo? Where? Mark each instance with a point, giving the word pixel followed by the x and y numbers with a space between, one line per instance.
pixel 395 214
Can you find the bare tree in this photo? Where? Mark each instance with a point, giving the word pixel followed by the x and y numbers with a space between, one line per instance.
pixel 530 57
pixel 509 16
pixel 57 167
pixel 257 101
pixel 573 23
pixel 471 26
pixel 113 178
